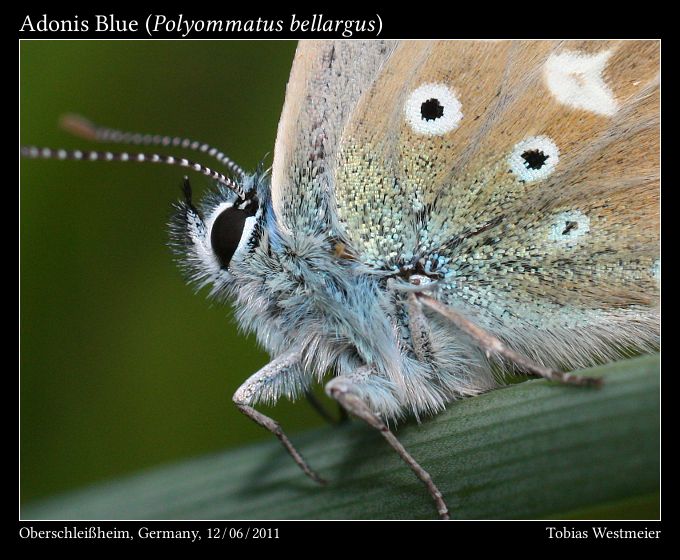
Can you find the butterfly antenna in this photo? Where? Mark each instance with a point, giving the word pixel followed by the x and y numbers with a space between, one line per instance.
pixel 95 155
pixel 83 128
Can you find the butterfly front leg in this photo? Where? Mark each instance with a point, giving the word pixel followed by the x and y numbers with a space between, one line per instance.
pixel 267 384
pixel 352 392
pixel 492 345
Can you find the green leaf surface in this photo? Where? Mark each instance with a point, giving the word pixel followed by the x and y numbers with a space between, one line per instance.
pixel 534 450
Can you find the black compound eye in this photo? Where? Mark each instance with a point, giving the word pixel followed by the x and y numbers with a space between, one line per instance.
pixel 231 228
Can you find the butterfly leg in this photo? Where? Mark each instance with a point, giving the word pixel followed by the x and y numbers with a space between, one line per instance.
pixel 347 390
pixel 253 390
pixel 491 344
pixel 321 410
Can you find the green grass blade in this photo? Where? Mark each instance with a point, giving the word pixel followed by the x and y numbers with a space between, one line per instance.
pixel 531 450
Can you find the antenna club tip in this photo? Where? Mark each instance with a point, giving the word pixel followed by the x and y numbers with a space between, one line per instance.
pixel 78 126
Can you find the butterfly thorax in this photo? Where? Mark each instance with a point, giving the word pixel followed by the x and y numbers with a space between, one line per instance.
pixel 308 290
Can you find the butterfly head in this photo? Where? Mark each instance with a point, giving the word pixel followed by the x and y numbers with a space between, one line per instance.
pixel 218 234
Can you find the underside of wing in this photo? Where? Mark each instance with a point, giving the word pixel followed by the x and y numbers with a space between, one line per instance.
pixel 326 81
pixel 523 175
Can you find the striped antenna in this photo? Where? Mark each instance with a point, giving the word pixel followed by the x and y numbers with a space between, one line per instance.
pixel 94 155
pixel 82 127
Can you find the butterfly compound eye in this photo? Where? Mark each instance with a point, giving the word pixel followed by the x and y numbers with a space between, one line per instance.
pixel 231 231
pixel 534 158
pixel 433 110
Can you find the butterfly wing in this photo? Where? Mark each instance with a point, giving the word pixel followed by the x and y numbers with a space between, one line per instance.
pixel 524 175
pixel 326 81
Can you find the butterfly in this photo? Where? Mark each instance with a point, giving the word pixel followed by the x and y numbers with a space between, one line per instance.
pixel 435 210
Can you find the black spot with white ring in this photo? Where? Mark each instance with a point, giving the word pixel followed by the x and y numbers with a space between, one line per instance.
pixel 534 158
pixel 433 110
pixel 569 227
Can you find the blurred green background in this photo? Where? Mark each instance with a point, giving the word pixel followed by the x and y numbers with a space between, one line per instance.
pixel 122 365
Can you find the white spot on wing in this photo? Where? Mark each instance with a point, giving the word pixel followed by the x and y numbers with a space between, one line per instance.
pixel 569 226
pixel 575 79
